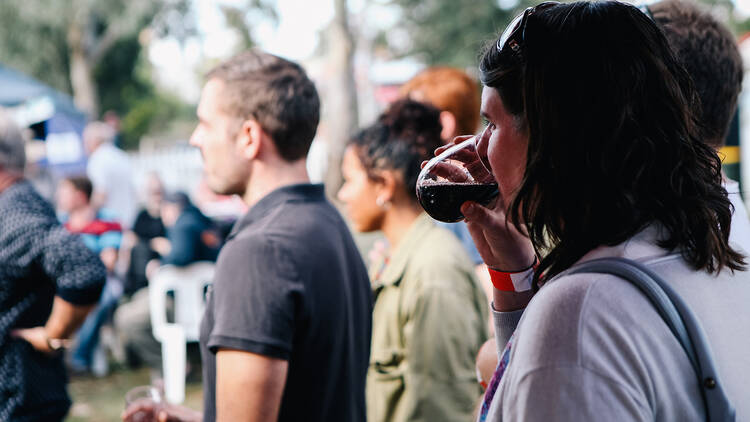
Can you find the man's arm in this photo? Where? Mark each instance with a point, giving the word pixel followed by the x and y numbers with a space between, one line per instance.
pixel 79 276
pixel 249 386
pixel 65 318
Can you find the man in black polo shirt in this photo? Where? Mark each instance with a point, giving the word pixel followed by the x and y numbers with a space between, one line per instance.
pixel 286 332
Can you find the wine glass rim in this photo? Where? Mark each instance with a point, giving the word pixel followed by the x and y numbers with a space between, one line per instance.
pixel 135 393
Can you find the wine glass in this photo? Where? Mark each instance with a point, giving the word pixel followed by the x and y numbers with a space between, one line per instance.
pixel 452 178
pixel 143 403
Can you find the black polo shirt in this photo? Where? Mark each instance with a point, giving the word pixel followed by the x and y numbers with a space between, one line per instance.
pixel 290 284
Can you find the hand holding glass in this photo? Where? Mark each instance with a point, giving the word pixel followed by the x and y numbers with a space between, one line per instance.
pixel 455 176
pixel 143 404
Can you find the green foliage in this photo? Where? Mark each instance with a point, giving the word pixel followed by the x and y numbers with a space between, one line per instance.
pixel 124 81
pixel 452 32
pixel 239 18
pixel 146 115
pixel 36 40
pixel 35 43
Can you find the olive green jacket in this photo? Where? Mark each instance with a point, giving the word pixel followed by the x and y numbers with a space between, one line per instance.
pixel 429 320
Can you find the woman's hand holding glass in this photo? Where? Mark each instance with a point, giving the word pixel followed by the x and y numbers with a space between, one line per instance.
pixel 454 176
pixel 501 245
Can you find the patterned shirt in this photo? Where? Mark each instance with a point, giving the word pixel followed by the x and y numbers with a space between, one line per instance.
pixel 38 260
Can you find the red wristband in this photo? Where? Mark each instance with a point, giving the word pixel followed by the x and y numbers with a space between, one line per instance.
pixel 517 281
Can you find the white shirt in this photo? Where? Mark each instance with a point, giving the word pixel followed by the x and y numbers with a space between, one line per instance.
pixel 739 235
pixel 591 346
pixel 110 173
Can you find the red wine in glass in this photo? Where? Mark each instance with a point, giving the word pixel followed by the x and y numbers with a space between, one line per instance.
pixel 443 201
pixel 455 176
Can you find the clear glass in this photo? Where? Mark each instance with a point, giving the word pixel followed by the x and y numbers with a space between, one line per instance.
pixel 143 403
pixel 452 178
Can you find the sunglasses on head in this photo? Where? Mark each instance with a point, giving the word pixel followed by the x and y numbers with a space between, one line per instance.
pixel 646 11
pixel 515 34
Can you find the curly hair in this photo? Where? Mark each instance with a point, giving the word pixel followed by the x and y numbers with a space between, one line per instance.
pixel 710 55
pixel 402 137
pixel 614 145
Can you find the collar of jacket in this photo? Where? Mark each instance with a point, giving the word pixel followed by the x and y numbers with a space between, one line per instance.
pixel 405 251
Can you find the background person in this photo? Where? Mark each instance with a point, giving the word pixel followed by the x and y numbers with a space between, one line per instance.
pixel 456 95
pixel 102 234
pixel 430 311
pixel 147 226
pixel 49 282
pixel 191 237
pixel 110 172
pixel 709 52
pixel 602 157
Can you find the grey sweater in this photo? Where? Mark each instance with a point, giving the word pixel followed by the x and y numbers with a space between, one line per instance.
pixel 591 347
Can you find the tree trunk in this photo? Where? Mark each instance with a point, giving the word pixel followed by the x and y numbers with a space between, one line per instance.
pixel 85 93
pixel 342 101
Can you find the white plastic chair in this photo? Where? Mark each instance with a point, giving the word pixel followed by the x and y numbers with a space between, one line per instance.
pixel 188 284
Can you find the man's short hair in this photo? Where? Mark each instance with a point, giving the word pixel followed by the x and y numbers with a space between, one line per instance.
pixel 709 53
pixel 448 89
pixel 12 148
pixel 81 184
pixel 274 92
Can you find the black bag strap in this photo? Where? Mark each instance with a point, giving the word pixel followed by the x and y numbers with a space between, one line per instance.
pixel 681 321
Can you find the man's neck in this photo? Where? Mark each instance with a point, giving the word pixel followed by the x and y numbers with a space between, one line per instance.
pixel 8 179
pixel 269 177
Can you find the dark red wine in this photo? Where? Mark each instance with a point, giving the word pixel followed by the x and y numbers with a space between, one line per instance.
pixel 443 201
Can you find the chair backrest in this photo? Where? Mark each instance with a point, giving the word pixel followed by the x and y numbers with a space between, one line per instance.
pixel 188 284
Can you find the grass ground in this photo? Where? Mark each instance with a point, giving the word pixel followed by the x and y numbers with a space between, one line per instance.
pixel 103 399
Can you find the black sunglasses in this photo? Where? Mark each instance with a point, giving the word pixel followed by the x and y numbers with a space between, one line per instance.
pixel 515 34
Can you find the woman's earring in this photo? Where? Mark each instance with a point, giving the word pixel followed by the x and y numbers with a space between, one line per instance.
pixel 382 203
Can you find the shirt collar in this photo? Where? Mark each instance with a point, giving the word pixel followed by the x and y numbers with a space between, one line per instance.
pixel 405 250
pixel 290 193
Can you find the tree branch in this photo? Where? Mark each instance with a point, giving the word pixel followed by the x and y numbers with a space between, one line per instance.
pixel 119 28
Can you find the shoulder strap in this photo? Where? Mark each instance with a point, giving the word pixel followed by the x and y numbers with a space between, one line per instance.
pixel 681 321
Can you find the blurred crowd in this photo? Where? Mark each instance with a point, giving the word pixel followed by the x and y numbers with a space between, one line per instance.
pixel 132 242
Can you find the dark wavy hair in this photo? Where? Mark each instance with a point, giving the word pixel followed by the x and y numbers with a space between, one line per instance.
pixel 613 140
pixel 405 134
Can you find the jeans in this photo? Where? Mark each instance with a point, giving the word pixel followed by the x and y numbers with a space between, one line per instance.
pixel 88 335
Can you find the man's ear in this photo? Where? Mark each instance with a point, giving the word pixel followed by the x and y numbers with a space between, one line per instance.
pixel 249 139
pixel 448 120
